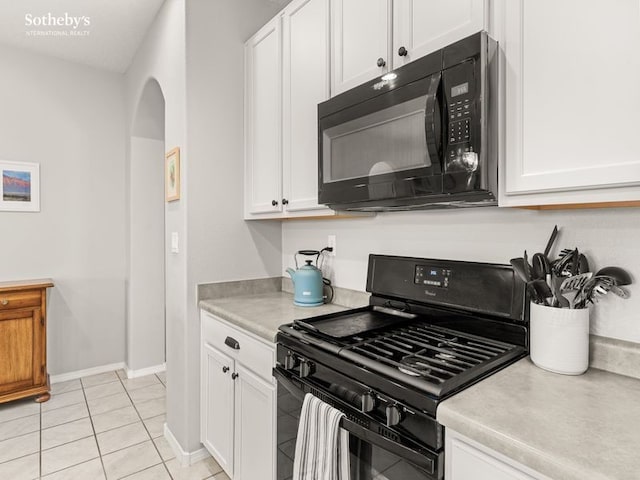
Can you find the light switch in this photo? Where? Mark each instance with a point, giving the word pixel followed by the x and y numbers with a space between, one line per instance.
pixel 174 242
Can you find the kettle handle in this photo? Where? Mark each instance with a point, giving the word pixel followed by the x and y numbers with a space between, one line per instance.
pixel 308 253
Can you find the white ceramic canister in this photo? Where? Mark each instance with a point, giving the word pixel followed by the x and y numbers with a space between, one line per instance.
pixel 559 339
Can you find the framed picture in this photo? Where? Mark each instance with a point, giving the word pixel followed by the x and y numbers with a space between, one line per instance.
pixel 172 174
pixel 20 187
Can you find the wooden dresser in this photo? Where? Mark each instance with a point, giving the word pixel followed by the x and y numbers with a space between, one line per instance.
pixel 23 340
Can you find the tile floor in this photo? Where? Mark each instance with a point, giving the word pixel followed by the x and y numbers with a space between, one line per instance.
pixel 99 427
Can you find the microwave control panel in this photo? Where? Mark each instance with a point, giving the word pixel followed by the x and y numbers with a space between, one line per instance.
pixel 459 91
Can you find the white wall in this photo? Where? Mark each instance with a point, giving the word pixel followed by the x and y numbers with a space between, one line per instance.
pixel 606 236
pixel 221 245
pixel 69 119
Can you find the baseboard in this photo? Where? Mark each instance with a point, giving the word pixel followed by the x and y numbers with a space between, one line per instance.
pixel 184 458
pixel 63 377
pixel 146 371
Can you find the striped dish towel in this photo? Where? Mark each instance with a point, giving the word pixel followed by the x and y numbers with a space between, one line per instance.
pixel 322 447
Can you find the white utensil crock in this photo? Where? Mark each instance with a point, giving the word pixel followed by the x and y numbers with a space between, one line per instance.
pixel 559 339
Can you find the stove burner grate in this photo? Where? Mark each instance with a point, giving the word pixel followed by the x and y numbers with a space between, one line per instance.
pixel 414 366
pixel 433 353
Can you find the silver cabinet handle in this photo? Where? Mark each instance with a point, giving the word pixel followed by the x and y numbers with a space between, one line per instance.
pixel 5 301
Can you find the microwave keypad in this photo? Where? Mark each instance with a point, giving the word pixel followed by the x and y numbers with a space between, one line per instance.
pixel 459 131
pixel 460 121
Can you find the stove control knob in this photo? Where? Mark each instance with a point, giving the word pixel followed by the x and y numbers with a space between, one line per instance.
pixel 368 402
pixel 395 414
pixel 306 368
pixel 290 361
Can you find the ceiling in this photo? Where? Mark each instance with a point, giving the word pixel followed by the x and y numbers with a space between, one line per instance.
pixel 114 32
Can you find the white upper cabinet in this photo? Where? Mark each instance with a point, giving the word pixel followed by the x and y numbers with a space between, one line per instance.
pixel 423 26
pixel 263 157
pixel 361 41
pixel 305 84
pixel 363 47
pixel 287 75
pixel 571 101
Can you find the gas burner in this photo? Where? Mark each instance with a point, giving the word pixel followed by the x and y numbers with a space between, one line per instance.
pixel 445 356
pixel 414 366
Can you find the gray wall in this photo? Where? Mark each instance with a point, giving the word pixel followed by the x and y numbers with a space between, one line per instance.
pixel 145 296
pixel 221 245
pixel 70 119
pixel 606 236
pixel 162 57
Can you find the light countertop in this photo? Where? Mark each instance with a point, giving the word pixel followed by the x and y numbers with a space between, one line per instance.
pixel 583 427
pixel 263 313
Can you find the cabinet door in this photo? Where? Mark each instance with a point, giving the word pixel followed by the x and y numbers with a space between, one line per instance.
pixel 361 35
pixel 423 26
pixel 263 160
pixel 217 406
pixel 22 362
pixel 255 427
pixel 305 84
pixel 571 101
pixel 469 463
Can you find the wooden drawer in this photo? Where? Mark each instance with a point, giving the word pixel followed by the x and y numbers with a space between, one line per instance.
pixel 254 353
pixel 27 298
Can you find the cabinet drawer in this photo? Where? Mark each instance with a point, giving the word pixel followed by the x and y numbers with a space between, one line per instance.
pixel 28 298
pixel 252 352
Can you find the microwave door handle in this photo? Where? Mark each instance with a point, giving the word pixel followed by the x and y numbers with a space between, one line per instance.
pixel 433 142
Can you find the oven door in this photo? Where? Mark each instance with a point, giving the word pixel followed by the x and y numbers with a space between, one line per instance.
pixel 383 149
pixel 373 455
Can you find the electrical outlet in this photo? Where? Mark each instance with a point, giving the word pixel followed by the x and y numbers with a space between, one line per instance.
pixel 331 242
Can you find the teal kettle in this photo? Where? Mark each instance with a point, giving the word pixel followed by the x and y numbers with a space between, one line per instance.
pixel 307 281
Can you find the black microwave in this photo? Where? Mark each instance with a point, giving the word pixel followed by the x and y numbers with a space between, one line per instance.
pixel 421 136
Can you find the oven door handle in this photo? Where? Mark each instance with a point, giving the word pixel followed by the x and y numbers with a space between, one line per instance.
pixel 422 459
pixel 291 387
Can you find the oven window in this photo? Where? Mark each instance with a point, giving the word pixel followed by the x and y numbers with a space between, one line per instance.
pixel 368 462
pixel 386 141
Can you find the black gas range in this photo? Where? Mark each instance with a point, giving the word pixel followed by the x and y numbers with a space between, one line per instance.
pixel 431 329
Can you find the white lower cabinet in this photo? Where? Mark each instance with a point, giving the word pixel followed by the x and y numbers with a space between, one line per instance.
pixel 217 406
pixel 238 400
pixel 254 427
pixel 466 459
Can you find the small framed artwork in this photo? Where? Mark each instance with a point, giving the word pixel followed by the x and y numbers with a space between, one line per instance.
pixel 20 187
pixel 172 174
